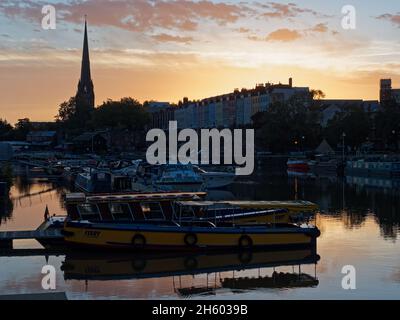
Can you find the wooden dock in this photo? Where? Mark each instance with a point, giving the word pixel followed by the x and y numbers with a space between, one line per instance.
pixel 7 238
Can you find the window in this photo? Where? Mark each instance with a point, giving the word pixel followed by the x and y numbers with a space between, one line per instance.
pixel 89 212
pixel 183 212
pixel 121 211
pixel 152 211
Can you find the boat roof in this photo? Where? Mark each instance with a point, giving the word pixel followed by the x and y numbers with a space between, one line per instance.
pixel 252 204
pixel 81 197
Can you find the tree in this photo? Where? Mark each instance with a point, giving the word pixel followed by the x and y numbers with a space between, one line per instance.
pixel 317 94
pixel 387 124
pixel 67 110
pixel 74 115
pixel 354 122
pixel 288 126
pixel 127 113
pixel 5 130
pixel 22 128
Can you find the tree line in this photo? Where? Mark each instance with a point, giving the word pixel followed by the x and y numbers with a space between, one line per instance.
pixel 296 125
pixel 74 118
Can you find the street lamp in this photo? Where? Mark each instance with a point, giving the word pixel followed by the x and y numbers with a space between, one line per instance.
pixel 343 146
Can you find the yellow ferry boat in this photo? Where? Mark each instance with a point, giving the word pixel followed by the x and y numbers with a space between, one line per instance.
pixel 166 206
pixel 189 236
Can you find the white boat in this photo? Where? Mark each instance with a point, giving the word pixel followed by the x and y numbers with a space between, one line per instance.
pixel 216 180
pixel 179 178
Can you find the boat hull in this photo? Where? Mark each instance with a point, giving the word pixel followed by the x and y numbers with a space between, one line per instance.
pixel 218 180
pixel 148 237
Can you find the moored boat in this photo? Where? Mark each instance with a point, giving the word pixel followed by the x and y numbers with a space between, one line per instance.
pixel 166 206
pixel 215 179
pixel 179 178
pixel 300 165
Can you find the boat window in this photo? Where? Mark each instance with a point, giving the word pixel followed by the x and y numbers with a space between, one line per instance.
pixel 89 212
pixel 152 211
pixel 121 211
pixel 184 212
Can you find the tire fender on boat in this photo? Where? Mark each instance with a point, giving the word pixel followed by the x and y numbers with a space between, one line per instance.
pixel 139 241
pixel 191 263
pixel 245 257
pixel 191 240
pixel 245 242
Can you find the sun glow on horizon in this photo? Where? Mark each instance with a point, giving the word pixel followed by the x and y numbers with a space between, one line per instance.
pixel 192 49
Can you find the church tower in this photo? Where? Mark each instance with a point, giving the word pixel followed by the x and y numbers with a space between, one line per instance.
pixel 85 94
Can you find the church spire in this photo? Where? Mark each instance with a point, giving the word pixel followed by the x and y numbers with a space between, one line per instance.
pixel 85 94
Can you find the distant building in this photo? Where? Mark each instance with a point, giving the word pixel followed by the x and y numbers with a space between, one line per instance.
pixel 387 93
pixel 331 107
pixel 234 109
pixel 42 139
pixel 385 90
pixel 91 142
pixel 162 113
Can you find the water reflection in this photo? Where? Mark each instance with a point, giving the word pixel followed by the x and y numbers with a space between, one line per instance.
pixel 351 199
pixel 223 268
pixel 6 209
pixel 358 220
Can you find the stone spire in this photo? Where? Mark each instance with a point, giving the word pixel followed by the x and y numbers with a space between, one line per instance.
pixel 85 94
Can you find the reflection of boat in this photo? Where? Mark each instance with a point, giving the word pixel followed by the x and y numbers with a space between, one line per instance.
pixel 300 174
pixel 277 280
pixel 372 167
pixel 95 266
pixel 374 182
pixel 325 165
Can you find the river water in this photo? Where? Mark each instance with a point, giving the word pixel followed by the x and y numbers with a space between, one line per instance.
pixel 359 221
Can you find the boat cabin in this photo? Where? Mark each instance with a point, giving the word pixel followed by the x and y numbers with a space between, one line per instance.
pixel 126 207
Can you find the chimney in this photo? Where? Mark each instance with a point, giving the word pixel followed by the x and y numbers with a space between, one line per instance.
pixel 291 82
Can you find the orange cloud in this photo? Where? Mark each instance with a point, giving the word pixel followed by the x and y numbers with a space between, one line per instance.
pixel 284 35
pixel 138 15
pixel 290 10
pixel 321 27
pixel 163 37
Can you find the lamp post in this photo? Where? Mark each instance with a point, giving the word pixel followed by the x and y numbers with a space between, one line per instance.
pixel 343 146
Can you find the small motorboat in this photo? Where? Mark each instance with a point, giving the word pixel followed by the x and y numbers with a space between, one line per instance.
pixel 179 178
pixel 300 165
pixel 216 179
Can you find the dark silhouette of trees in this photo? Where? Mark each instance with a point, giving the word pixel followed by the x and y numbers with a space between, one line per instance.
pixel 74 116
pixel 290 126
pixel 127 113
pixel 387 125
pixel 5 130
pixel 354 122
pixel 21 129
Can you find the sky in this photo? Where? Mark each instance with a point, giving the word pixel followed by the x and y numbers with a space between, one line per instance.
pixel 165 50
